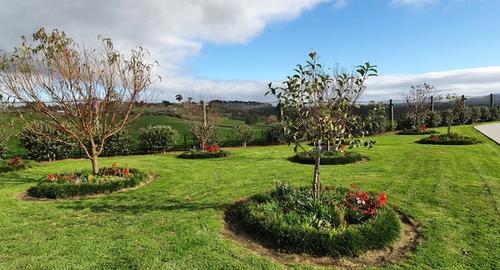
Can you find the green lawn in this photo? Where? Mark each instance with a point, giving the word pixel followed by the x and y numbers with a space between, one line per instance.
pixel 224 128
pixel 174 223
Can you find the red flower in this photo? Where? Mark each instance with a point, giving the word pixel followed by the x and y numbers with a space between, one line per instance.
pixel 370 211
pixel 51 177
pixel 117 171
pixel 211 148
pixel 382 199
pixel 126 172
pixel 362 196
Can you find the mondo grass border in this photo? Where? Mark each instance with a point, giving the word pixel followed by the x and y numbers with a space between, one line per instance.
pixel 46 190
pixel 347 158
pixel 428 132
pixel 462 140
pixel 380 232
pixel 203 155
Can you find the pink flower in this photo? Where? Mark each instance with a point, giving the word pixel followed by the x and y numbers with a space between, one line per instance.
pixel 51 177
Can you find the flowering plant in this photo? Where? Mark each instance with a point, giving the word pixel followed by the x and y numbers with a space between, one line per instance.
pixel 362 205
pixel 423 128
pixel 211 148
pixel 15 161
pixel 105 175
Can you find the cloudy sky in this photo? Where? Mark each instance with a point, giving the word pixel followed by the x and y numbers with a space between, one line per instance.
pixel 232 48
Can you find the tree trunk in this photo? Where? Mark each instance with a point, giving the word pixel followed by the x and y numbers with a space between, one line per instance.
pixel 449 130
pixel 95 163
pixel 245 144
pixel 316 186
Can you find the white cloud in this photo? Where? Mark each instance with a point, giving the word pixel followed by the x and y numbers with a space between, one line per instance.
pixel 469 82
pixel 172 30
pixel 176 30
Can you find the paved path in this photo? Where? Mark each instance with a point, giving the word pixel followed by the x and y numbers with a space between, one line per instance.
pixel 491 131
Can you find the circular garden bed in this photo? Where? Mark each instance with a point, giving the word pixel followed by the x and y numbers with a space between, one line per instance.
pixel 199 154
pixel 84 183
pixel 451 139
pixel 328 158
pixel 342 222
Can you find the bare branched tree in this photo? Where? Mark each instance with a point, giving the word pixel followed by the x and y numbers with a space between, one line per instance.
pixel 88 95
pixel 203 119
pixel 318 107
pixel 418 101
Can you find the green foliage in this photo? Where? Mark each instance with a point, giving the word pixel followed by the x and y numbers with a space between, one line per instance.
pixel 328 158
pixel 46 147
pixel 14 164
pixel 376 120
pixel 118 144
pixel 486 114
pixel 275 133
pixel 4 142
pixel 53 190
pixel 434 119
pixel 199 154
pixel 475 114
pixel 295 221
pixel 157 138
pixel 449 139
pixel 243 133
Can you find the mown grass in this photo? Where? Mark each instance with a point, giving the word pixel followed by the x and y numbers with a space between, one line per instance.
pixel 175 222
pixel 14 122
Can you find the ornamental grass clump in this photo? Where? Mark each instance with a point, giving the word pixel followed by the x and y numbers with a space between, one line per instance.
pixel 341 222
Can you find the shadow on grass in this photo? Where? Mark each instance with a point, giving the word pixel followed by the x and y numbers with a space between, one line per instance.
pixel 15 178
pixel 138 205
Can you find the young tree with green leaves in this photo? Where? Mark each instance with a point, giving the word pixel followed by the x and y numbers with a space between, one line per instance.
pixel 318 107
pixel 457 108
pixel 87 95
pixel 243 134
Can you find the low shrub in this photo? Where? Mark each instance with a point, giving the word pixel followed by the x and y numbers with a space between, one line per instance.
pixel 44 148
pixel 209 151
pixel 275 133
pixel 157 138
pixel 118 144
pixel 85 183
pixel 342 222
pixel 452 139
pixel 422 130
pixel 14 164
pixel 328 158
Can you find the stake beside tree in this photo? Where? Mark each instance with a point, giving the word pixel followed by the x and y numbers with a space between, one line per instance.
pixel 88 95
pixel 318 107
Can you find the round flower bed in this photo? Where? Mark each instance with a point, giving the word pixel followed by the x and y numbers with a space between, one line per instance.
pixel 452 139
pixel 343 222
pixel 209 151
pixel 328 158
pixel 85 183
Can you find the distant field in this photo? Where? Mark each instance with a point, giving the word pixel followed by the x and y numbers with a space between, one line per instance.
pixel 14 123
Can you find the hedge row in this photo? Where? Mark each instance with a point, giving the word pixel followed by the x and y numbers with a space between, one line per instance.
pixel 55 190
pixel 445 139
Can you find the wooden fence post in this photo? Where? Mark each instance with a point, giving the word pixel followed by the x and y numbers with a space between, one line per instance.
pixel 391 114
